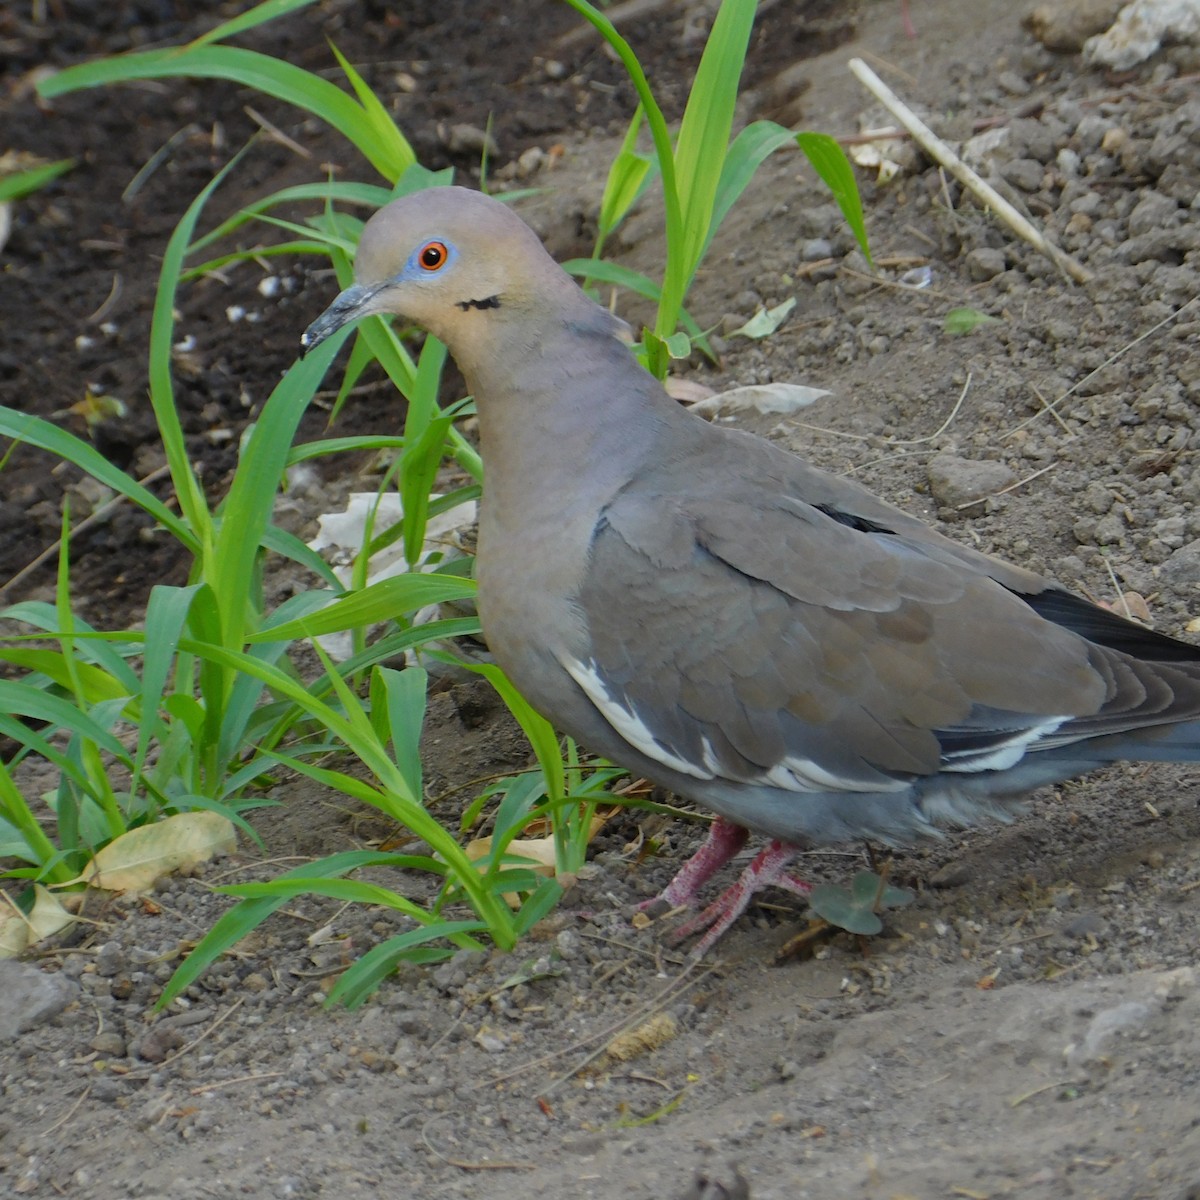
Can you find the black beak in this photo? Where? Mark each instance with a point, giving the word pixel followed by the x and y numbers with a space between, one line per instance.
pixel 354 302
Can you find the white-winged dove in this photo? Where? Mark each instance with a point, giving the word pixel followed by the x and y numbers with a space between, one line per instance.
pixel 713 613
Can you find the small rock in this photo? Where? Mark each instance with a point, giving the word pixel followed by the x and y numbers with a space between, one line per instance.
pixel 1064 25
pixel 1012 83
pixel 531 161
pixel 1110 530
pixel 110 960
pixel 1087 924
pixel 1023 173
pixel 470 139
pixel 955 481
pixel 29 997
pixel 984 263
pixel 951 874
pixel 1182 569
pixel 108 1043
pixel 1153 211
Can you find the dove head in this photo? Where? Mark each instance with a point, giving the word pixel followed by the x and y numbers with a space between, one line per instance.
pixel 453 261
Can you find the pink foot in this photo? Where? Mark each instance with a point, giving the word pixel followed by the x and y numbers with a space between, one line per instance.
pixel 769 869
pixel 724 840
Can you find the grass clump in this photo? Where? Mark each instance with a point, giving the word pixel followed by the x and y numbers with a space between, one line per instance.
pixel 200 708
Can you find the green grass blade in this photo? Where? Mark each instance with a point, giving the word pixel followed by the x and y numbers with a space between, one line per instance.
pixel 34 431
pixel 190 494
pixel 537 729
pixel 365 976
pixel 271 76
pixel 240 920
pixel 405 694
pixel 94 683
pixel 260 14
pixel 831 164
pixel 368 195
pixel 379 120
pixel 380 601
pixel 750 149
pixel 17 698
pixel 40 849
pixel 246 511
pixel 704 133
pixel 21 183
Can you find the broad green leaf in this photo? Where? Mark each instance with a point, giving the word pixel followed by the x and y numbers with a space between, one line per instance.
pixel 766 320
pixel 964 320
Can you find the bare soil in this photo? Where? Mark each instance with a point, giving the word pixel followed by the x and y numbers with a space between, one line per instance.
pixel 1027 1027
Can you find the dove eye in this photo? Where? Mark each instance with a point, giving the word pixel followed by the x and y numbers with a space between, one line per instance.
pixel 433 256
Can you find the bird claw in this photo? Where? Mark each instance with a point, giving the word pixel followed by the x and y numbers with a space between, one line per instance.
pixel 768 869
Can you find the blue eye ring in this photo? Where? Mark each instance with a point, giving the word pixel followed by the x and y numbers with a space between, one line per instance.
pixel 432 256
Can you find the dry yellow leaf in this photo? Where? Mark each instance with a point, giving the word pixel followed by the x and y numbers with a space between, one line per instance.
pixel 19 930
pixel 540 852
pixel 132 862
pixel 14 933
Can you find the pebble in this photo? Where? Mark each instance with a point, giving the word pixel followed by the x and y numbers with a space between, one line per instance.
pixel 951 874
pixel 1086 924
pixel 1023 173
pixel 1013 84
pixel 30 997
pixel 110 959
pixel 1182 569
pixel 1151 213
pixel 955 481
pixel 108 1043
pixel 984 262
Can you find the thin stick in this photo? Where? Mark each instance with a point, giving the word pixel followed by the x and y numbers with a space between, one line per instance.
pixel 966 387
pixel 209 1030
pixel 224 1083
pixel 1012 487
pixel 1117 589
pixel 941 153
pixel 99 515
pixel 87 1091
pixel 1112 358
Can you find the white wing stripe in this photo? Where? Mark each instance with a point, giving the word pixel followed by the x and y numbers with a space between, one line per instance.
pixel 791 774
pixel 629 725
pixel 1004 754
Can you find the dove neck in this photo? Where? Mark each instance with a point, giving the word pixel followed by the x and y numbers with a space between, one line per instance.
pixel 569 408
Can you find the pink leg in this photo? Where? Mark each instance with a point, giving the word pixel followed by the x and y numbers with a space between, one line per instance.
pixel 724 840
pixel 910 29
pixel 769 869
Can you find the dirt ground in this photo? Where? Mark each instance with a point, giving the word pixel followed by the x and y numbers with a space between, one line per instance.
pixel 1027 1027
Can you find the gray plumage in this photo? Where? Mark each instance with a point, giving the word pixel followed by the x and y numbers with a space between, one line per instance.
pixel 711 612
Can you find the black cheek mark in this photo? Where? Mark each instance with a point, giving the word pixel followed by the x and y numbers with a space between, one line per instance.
pixel 489 302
